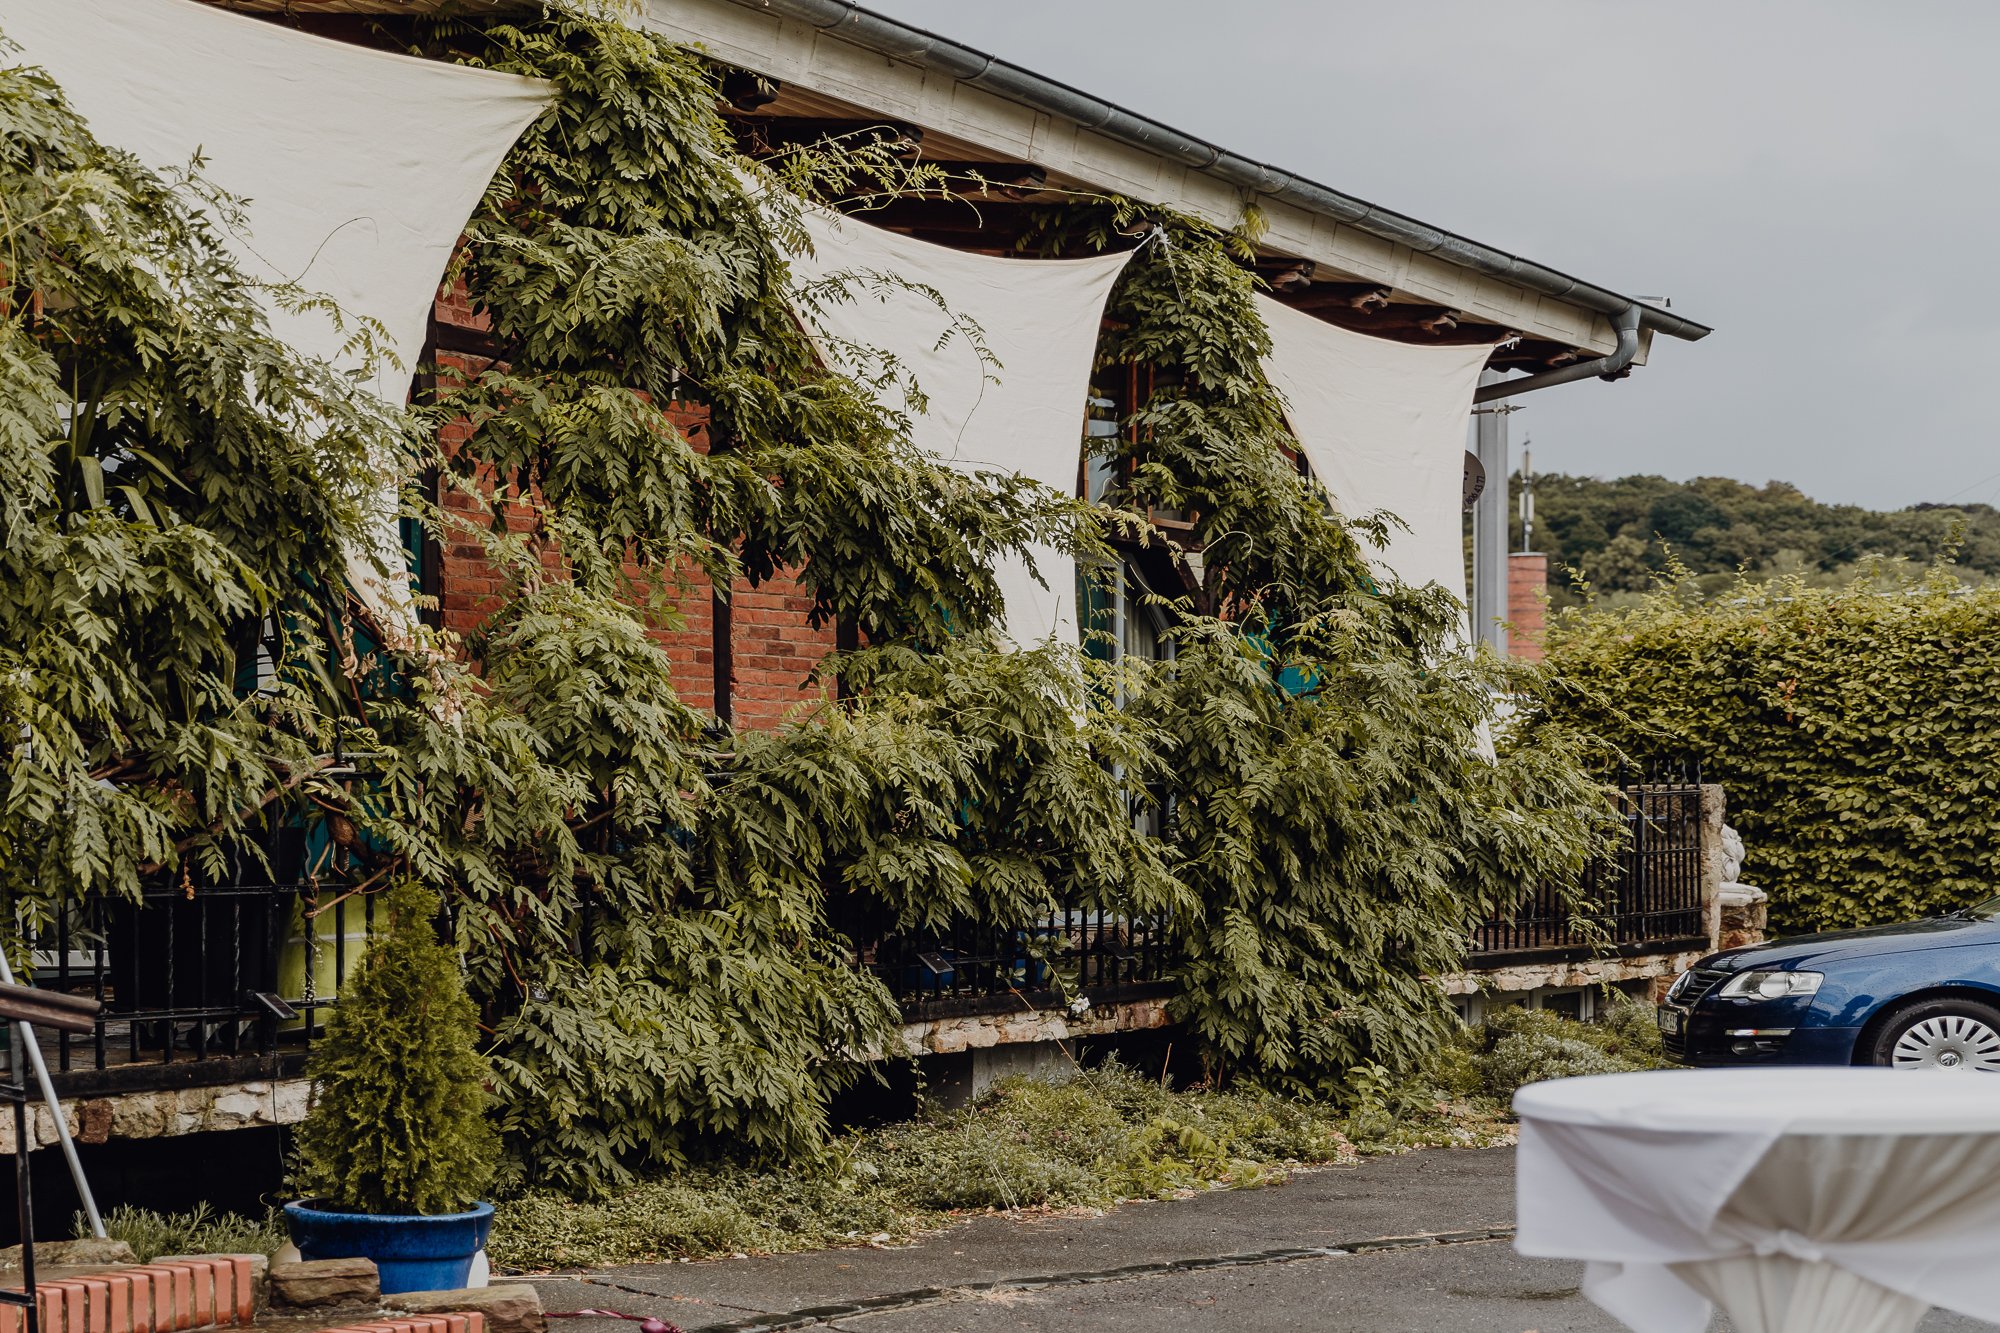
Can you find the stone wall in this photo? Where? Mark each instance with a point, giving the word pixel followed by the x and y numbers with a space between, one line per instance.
pixel 1618 972
pixel 155 1115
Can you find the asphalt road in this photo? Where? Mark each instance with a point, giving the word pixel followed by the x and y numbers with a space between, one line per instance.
pixel 1417 1234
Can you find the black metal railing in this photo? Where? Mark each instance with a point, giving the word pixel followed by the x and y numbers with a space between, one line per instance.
pixel 234 978
pixel 1069 954
pixel 1646 897
pixel 215 983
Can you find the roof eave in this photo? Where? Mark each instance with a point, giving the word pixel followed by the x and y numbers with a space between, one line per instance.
pixel 890 37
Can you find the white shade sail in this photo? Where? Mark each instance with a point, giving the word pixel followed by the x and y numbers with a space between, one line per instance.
pixel 1021 412
pixel 358 168
pixel 1383 425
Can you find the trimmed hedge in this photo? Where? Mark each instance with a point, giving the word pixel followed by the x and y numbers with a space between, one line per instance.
pixel 1857 730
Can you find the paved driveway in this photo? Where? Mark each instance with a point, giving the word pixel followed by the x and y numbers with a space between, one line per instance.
pixel 1415 1235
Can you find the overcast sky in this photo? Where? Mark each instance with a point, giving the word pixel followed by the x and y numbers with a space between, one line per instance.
pixel 1818 181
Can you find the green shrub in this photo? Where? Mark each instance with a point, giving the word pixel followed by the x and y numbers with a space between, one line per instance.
pixel 1518 1046
pixel 1087 1139
pixel 202 1231
pixel 398 1121
pixel 1856 730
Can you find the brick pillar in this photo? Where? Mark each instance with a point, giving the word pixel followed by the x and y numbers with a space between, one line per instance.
pixel 1527 583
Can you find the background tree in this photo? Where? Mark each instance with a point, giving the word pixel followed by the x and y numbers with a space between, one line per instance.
pixel 1618 533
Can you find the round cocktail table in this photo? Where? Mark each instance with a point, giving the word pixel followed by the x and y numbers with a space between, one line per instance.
pixel 1799 1200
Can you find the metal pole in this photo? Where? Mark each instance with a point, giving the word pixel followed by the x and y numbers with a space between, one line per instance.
pixel 1489 525
pixel 26 1034
pixel 24 1200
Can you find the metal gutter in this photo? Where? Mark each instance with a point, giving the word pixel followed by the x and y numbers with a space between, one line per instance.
pixel 1607 367
pixel 865 28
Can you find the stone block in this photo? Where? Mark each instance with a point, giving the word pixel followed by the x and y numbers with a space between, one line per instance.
pixel 290 1101
pixel 1034 1027
pixel 88 1252
pixel 945 1039
pixel 316 1282
pixel 240 1107
pixel 93 1122
pixel 510 1307
pixel 142 1115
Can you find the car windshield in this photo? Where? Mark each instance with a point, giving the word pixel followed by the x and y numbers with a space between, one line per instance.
pixel 1986 911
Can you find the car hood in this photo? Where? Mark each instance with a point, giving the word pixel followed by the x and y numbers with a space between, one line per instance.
pixel 1803 950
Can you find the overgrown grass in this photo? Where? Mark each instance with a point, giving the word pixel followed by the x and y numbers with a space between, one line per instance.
pixel 202 1231
pixel 1089 1140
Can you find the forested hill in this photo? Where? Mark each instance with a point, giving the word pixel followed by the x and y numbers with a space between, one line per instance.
pixel 1613 530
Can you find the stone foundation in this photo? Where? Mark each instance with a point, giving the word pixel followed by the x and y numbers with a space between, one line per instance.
pixel 1745 915
pixel 156 1115
pixel 949 1036
pixel 1618 972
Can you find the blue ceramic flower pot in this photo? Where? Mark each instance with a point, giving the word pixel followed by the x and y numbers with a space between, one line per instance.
pixel 412 1252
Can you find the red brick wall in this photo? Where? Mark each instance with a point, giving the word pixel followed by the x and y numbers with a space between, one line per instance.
pixel 774 650
pixel 1527 581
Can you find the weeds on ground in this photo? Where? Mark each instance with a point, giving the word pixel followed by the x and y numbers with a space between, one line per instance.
pixel 202 1231
pixel 1088 1140
pixel 1518 1046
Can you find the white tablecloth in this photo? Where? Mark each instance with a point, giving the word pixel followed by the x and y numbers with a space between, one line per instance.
pixel 1800 1200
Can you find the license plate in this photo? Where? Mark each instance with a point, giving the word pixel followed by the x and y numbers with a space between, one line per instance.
pixel 1670 1022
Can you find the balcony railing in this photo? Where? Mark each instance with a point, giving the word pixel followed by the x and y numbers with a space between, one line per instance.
pixel 200 985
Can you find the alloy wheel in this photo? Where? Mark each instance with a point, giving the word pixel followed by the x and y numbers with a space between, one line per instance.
pixel 1948 1041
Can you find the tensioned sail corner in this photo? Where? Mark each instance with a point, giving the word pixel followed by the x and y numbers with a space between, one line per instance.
pixel 1383 425
pixel 1021 413
pixel 358 168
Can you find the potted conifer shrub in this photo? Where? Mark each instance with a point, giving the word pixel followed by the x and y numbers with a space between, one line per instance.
pixel 396 1147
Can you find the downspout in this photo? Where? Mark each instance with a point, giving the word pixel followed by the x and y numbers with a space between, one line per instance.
pixel 1627 324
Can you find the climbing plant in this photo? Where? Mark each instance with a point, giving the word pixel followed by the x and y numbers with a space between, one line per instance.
pixel 657 918
pixel 1339 822
pixel 645 907
pixel 177 491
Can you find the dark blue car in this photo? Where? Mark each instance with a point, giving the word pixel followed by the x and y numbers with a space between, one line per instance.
pixel 1925 994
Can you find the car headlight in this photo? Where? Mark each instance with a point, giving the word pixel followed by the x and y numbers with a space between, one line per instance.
pixel 1772 985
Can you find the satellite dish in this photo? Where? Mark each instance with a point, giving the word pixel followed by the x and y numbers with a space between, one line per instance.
pixel 1475 478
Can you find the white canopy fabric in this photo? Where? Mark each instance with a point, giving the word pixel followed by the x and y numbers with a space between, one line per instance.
pixel 1038 318
pixel 1383 425
pixel 358 167
pixel 1801 1200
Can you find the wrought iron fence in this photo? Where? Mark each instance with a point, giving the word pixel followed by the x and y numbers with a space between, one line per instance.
pixel 234 979
pixel 232 982
pixel 1648 894
pixel 1071 952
